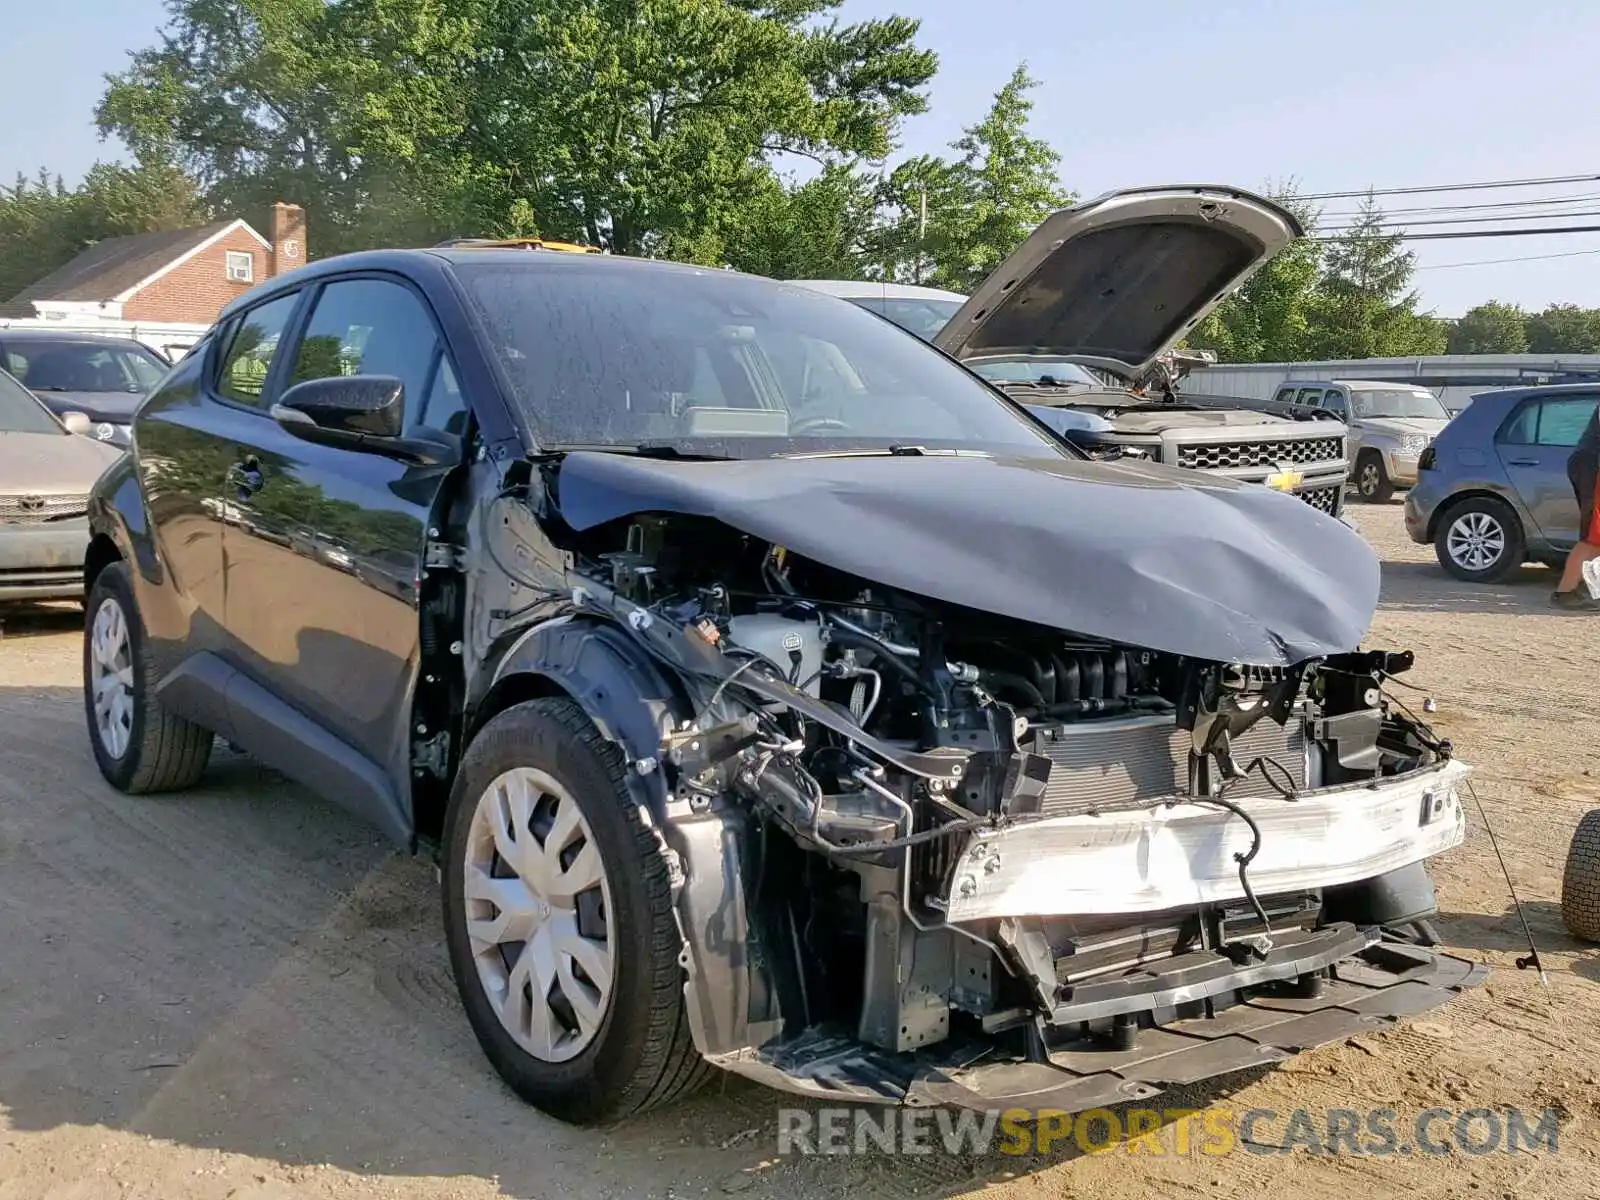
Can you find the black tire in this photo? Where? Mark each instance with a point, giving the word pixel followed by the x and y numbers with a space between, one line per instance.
pixel 1372 478
pixel 164 752
pixel 1474 510
pixel 1580 880
pixel 643 1055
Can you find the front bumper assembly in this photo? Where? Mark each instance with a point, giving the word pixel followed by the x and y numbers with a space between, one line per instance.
pixel 1253 1016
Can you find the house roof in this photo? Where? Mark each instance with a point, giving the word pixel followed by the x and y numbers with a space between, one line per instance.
pixel 117 267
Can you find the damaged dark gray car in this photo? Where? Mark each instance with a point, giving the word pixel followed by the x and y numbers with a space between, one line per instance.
pixel 777 695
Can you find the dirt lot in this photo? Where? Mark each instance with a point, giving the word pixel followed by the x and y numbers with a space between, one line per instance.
pixel 240 992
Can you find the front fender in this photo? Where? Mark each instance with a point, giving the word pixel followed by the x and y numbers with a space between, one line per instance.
pixel 730 991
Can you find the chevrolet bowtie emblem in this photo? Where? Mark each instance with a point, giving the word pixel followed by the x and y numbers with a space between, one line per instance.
pixel 1285 479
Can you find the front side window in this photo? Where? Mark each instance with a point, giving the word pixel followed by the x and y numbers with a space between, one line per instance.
pixel 1311 396
pixel 370 327
pixel 251 348
pixel 612 354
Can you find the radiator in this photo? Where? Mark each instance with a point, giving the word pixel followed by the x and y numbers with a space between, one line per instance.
pixel 1102 764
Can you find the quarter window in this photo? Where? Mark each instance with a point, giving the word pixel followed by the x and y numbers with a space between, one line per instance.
pixel 252 348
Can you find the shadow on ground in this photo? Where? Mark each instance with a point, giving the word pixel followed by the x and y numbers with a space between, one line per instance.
pixel 1424 587
pixel 244 968
pixel 38 620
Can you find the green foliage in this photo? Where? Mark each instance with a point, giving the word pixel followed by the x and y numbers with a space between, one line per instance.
pixel 646 126
pixel 1363 306
pixel 1565 329
pixel 1492 328
pixel 43 225
pixel 1269 318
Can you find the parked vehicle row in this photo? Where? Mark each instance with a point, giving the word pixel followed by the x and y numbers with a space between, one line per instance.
pixel 1078 322
pixel 776 695
pixel 46 471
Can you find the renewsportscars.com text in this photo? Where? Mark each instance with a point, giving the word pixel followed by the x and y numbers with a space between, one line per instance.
pixel 1377 1132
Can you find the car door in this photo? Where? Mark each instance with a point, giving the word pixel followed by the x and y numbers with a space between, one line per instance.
pixel 323 571
pixel 186 432
pixel 1534 445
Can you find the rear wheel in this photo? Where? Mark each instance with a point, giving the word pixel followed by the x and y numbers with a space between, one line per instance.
pixel 1372 479
pixel 558 918
pixel 138 745
pixel 1480 540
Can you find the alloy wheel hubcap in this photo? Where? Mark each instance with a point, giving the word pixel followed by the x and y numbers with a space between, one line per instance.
pixel 1476 541
pixel 538 908
pixel 111 677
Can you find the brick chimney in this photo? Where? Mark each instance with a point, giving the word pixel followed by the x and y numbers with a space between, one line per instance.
pixel 288 237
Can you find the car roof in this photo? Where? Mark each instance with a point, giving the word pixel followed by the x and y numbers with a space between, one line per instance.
pixel 535 257
pixel 1370 385
pixel 1536 390
pixel 69 335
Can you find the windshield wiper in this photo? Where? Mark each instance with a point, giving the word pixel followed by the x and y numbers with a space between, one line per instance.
pixel 663 450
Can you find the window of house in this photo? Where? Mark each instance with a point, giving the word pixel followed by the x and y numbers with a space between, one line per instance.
pixel 241 266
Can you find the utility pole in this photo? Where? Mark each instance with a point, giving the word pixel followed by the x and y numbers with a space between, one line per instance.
pixel 922 223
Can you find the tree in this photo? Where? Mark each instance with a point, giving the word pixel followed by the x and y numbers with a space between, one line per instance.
pixel 820 229
pixel 983 206
pixel 1491 328
pixel 1268 318
pixel 43 225
pixel 1565 329
pixel 1363 306
pixel 644 126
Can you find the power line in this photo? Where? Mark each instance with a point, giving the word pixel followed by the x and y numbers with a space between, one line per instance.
pixel 1434 209
pixel 1474 233
pixel 1451 187
pixel 1554 216
pixel 1486 262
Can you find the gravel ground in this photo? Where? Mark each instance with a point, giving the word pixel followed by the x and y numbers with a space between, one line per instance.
pixel 239 992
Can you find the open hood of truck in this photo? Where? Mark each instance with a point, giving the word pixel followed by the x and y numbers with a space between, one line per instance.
pixel 1155 557
pixel 1115 282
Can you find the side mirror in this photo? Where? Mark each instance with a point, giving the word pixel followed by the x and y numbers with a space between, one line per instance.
pixel 77 422
pixel 365 413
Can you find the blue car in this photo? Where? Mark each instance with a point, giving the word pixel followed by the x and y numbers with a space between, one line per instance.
pixel 1492 490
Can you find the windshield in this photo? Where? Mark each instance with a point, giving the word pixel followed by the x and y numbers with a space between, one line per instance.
pixel 919 315
pixel 56 365
pixel 1034 370
pixel 21 413
pixel 1398 402
pixel 606 353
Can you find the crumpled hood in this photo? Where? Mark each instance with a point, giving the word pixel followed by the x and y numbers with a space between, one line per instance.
pixel 1149 556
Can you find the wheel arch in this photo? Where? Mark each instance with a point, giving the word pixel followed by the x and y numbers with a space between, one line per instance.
pixel 1447 508
pixel 102 552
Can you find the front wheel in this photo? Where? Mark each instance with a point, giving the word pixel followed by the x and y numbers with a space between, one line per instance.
pixel 1480 540
pixel 1372 480
pixel 1580 880
pixel 558 919
pixel 138 745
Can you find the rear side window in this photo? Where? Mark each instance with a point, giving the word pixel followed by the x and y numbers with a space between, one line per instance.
pixel 1556 422
pixel 1309 396
pixel 252 343
pixel 1285 395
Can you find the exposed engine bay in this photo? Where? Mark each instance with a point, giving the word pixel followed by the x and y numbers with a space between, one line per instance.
pixel 1005 847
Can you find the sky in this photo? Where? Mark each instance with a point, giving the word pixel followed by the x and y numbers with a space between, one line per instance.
pixel 1336 96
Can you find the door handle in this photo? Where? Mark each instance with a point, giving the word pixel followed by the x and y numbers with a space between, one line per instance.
pixel 246 478
pixel 1522 462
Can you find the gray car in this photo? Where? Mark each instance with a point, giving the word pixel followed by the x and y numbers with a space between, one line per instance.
pixel 1492 490
pixel 46 471
pixel 1389 423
